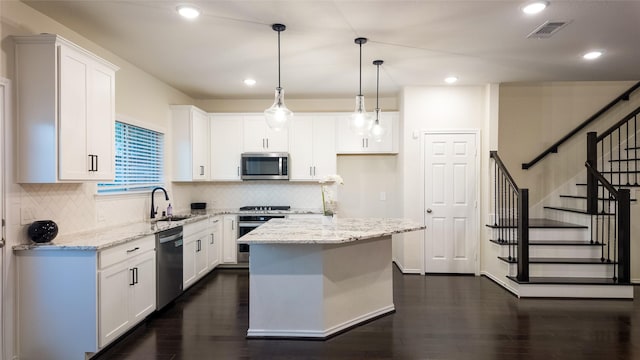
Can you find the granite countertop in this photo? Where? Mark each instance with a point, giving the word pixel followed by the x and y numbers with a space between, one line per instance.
pixel 319 231
pixel 99 239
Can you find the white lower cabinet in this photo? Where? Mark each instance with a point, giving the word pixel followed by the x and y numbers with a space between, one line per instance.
pixel 214 245
pixel 127 287
pixel 230 235
pixel 194 252
pixel 127 292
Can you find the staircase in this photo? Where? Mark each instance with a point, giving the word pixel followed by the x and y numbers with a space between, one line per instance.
pixel 581 248
pixel 565 259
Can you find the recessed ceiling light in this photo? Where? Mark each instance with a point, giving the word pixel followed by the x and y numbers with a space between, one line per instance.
pixel 450 79
pixel 535 7
pixel 188 11
pixel 249 82
pixel 592 55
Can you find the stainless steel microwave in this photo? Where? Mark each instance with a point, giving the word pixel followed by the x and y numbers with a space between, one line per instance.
pixel 265 166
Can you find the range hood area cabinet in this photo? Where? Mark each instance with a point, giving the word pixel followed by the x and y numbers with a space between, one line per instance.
pixel 66 111
pixel 350 143
pixel 259 137
pixel 226 146
pixel 190 137
pixel 312 147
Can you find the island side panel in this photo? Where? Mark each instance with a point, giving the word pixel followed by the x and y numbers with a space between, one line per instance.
pixel 57 297
pixel 358 282
pixel 285 290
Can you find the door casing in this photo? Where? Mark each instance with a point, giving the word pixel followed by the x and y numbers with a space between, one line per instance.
pixel 423 159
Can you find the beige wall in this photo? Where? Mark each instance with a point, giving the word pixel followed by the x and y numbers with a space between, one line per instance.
pixel 302 105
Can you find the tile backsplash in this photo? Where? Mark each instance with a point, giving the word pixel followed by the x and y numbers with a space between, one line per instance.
pixel 76 207
pixel 234 195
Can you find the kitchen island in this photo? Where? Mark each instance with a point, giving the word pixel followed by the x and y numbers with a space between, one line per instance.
pixel 310 278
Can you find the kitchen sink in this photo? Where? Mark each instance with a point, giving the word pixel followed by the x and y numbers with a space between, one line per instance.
pixel 175 218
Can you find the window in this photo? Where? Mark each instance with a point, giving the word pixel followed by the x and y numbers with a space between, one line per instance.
pixel 139 160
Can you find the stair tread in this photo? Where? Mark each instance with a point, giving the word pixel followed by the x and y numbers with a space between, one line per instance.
pixel 577 211
pixel 620 172
pixel 559 261
pixel 623 160
pixel 615 185
pixel 551 243
pixel 585 198
pixel 537 223
pixel 568 281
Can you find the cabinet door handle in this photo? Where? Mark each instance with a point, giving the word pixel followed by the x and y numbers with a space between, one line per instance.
pixel 310 170
pixel 212 239
pixel 267 143
pixel 263 143
pixel 367 142
pixel 91 168
pixel 362 142
pixel 314 171
pixel 201 170
pixel 238 171
pixel 96 169
pixel 134 249
pixel 232 224
pixel 136 274
pixel 133 277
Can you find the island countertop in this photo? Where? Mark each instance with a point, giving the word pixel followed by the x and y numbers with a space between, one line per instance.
pixel 318 231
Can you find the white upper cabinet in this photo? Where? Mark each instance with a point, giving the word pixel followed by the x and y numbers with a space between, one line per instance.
pixel 190 137
pixel 312 147
pixel 66 109
pixel 350 143
pixel 226 146
pixel 259 137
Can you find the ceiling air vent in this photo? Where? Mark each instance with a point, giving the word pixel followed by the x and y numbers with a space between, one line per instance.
pixel 547 29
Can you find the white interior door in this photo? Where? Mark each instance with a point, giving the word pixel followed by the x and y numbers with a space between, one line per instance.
pixel 451 238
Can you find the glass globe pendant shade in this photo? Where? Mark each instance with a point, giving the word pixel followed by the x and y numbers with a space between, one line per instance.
pixel 360 122
pixel 278 115
pixel 377 131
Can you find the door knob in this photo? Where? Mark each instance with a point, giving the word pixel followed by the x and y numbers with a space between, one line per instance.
pixel 429 211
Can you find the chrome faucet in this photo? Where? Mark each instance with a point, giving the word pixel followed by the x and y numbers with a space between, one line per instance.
pixel 153 208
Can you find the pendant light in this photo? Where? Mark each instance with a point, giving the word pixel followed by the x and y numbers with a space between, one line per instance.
pixel 360 121
pixel 278 115
pixel 377 131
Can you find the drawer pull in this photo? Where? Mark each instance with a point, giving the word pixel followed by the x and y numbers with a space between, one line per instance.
pixel 132 250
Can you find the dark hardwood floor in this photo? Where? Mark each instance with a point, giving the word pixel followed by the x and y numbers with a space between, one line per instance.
pixel 437 317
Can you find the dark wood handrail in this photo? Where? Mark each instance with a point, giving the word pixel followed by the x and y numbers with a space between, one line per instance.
pixel 618 124
pixel 554 148
pixel 494 154
pixel 603 180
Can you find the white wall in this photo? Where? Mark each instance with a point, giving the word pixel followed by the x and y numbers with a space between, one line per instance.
pixel 435 108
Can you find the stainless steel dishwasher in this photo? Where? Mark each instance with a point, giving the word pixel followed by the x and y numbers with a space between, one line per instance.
pixel 168 266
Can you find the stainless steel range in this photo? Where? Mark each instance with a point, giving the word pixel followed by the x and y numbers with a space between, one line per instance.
pixel 248 222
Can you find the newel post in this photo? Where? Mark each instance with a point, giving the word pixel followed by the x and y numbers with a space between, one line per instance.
pixel 592 182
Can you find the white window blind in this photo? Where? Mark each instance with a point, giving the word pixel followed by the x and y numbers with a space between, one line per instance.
pixel 139 160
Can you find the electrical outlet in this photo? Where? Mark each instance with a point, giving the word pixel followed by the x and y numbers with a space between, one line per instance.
pixel 383 196
pixel 26 216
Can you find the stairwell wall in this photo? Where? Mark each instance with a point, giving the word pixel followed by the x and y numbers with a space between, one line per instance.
pixel 535 115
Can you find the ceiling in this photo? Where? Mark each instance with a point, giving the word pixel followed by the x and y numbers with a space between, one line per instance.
pixel 420 41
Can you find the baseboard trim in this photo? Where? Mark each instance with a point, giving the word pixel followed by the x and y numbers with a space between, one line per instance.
pixel 506 285
pixel 405 270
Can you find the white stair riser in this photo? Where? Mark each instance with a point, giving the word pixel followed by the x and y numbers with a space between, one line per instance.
pixel 559 234
pixel 573 203
pixel 566 270
pixel 558 251
pixel 573 291
pixel 565 251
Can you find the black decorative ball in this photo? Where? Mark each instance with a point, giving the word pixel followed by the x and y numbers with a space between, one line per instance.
pixel 43 231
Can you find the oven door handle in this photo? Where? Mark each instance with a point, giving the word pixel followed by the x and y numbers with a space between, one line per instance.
pixel 252 224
